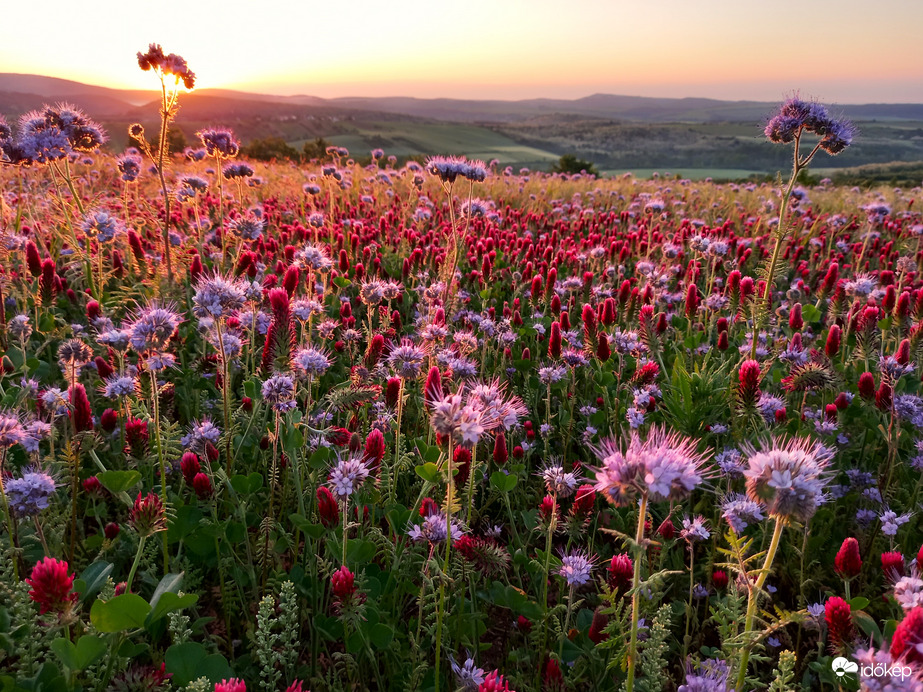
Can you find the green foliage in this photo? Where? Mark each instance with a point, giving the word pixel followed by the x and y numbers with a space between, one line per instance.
pixel 316 150
pixel 569 163
pixel 270 149
pixel 276 637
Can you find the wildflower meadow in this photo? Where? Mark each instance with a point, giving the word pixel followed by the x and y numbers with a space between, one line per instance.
pixel 439 426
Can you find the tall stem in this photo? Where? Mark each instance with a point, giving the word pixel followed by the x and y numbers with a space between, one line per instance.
pixel 636 596
pixel 780 236
pixel 225 396
pixel 440 614
pixel 161 151
pixel 752 601
pixel 134 566
pixel 9 520
pixel 155 400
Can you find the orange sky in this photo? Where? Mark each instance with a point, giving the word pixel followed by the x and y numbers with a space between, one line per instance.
pixel 849 52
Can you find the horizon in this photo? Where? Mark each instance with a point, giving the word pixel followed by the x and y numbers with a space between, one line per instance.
pixel 294 93
pixel 715 49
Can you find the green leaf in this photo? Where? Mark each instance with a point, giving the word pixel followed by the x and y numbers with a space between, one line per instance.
pixel 247 485
pixel 810 313
pixel 251 387
pixel 315 531
pixel 342 282
pixel 170 602
pixel 190 661
pixel 169 584
pixel 503 482
pixel 428 472
pixel 858 603
pixel 88 649
pixel 118 481
pixel 93 578
pixel 868 625
pixel 185 522
pixel 359 551
pixel 380 635
pixel 124 612
pixel 319 459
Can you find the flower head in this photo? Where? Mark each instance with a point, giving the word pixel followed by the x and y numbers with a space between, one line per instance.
pixel 576 567
pixel 558 481
pixel 707 676
pixel 31 493
pixel 787 476
pixel 279 392
pixel 665 466
pixel 171 64
pixel 217 296
pixel 468 675
pixel 147 515
pixel 347 476
pixel 51 586
pixel 152 328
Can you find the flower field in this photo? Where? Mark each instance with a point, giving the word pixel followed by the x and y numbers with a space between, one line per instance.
pixel 449 426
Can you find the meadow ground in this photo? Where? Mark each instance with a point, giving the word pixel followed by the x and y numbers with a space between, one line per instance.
pixel 343 427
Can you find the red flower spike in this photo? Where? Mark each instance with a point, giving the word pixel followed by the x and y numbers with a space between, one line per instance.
pixel 848 562
pixel 51 586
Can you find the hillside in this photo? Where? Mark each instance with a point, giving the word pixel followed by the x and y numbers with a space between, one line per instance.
pixel 615 132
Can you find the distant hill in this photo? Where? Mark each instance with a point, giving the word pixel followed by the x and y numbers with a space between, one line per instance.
pixel 16 89
pixel 614 132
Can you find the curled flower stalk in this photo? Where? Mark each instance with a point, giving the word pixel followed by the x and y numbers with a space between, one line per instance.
pixel 793 119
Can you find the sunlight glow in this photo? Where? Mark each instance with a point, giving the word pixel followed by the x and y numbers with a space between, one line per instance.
pixel 510 49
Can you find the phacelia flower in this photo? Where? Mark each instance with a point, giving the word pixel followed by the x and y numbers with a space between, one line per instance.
pixel 665 466
pixel 30 494
pixel 279 392
pixel 576 567
pixel 787 476
pixel 347 476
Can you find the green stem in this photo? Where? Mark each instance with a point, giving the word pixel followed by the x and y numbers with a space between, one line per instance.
pixel 636 597
pixel 134 566
pixel 755 592
pixel 155 399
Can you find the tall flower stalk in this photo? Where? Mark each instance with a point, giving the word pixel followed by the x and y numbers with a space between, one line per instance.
pixel 793 119
pixel 163 66
pixel 663 467
pixel 802 467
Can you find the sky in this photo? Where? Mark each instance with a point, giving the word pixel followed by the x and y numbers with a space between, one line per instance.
pixel 848 51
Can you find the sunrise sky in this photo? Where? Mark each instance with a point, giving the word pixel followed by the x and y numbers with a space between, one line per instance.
pixel 846 51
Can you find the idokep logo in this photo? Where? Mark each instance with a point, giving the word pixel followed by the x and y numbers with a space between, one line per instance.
pixel 841 666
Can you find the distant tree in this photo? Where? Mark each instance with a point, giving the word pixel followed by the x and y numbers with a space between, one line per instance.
pixel 316 149
pixel 569 163
pixel 269 149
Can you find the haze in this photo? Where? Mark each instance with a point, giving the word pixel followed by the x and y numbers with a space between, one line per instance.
pixel 845 51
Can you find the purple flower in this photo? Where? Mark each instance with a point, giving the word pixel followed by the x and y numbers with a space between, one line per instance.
pixel 739 511
pixel 347 476
pixel 30 494
pixel 279 392
pixel 707 676
pixel 787 476
pixel 665 466
pixel 433 529
pixel 576 567
pixel 694 529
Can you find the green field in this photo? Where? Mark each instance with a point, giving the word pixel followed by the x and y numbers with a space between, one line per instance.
pixel 690 173
pixel 405 139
